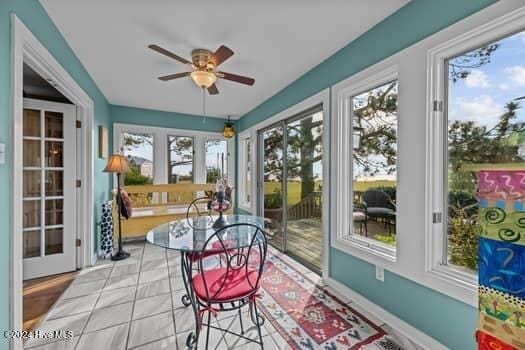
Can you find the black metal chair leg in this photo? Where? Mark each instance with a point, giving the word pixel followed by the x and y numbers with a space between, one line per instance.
pixel 259 323
pixel 208 330
pixel 240 320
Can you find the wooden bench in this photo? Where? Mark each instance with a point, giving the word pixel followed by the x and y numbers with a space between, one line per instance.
pixel 154 205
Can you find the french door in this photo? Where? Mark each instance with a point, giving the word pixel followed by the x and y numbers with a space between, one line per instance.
pixel 290 163
pixel 49 176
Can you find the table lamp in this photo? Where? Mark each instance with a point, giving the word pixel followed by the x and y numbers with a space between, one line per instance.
pixel 118 164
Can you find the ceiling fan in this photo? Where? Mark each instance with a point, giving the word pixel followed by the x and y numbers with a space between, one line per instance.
pixel 203 66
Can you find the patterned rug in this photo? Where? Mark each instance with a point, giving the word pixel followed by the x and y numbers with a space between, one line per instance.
pixel 309 317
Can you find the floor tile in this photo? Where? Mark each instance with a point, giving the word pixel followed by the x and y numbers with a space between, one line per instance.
pixel 73 323
pixel 166 343
pixel 67 307
pixel 151 328
pixel 113 338
pixel 152 306
pixel 151 289
pixel 184 319
pixel 177 283
pixel 93 274
pixel 216 341
pixel 78 290
pixel 121 281
pixel 116 296
pixel 66 344
pixel 250 330
pixel 127 269
pixel 154 264
pixel 153 275
pixel 109 316
pixel 176 297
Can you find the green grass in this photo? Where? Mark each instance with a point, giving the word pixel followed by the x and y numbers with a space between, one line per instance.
pixel 294 188
pixel 387 239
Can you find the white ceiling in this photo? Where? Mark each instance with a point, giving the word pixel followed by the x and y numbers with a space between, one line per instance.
pixel 275 42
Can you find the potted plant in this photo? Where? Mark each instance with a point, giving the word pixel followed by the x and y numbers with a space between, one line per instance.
pixel 273 203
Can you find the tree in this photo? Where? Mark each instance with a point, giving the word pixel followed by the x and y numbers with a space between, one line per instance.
pixel 460 67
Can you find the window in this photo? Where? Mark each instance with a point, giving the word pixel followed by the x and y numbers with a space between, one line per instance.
pixel 374 143
pixel 138 149
pixel 364 160
pixel 180 159
pixel 245 170
pixel 485 130
pixel 216 160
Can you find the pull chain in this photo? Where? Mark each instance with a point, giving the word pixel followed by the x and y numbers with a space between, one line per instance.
pixel 203 105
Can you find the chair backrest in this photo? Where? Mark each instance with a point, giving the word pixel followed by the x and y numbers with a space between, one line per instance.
pixel 199 207
pixel 377 199
pixel 242 249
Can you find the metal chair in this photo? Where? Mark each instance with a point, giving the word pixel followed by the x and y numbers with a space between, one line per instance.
pixel 232 286
pixel 199 207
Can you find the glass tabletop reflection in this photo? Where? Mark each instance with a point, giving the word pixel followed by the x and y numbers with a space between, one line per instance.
pixel 193 234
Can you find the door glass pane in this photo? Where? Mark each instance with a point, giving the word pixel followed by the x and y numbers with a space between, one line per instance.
pixel 32 153
pixel 304 183
pixel 180 160
pixel 31 243
pixel 54 183
pixel 31 183
pixel 248 177
pixel 216 160
pixel 138 149
pixel 486 131
pixel 31 123
pixel 375 164
pixel 54 154
pixel 53 126
pixel 54 212
pixel 31 214
pixel 272 142
pixel 54 241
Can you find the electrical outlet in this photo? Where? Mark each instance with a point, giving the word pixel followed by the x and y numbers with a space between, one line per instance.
pixel 2 153
pixel 380 273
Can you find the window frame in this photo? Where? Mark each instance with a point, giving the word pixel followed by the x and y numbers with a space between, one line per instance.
pixel 436 240
pixel 243 168
pixel 160 149
pixel 342 166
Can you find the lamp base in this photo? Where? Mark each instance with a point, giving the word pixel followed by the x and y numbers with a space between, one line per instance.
pixel 120 255
pixel 220 222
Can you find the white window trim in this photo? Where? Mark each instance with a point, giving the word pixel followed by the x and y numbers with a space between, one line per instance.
pixel 342 165
pixel 160 149
pixel 243 136
pixel 436 123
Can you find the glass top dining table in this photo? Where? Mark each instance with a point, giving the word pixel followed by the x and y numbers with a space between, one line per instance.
pixel 191 234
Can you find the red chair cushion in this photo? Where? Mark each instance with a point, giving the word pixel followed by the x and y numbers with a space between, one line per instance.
pixel 234 284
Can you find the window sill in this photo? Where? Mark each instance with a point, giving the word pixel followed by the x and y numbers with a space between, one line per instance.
pixel 455 276
pixel 373 252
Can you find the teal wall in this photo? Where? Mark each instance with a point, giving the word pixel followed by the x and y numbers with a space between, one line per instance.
pixel 36 19
pixel 447 320
pixel 140 116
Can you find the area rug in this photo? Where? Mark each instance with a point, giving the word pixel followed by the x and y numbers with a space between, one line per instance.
pixel 308 316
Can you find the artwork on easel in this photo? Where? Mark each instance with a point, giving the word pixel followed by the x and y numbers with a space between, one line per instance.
pixel 501 197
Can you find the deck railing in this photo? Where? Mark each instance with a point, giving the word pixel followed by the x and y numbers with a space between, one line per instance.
pixel 309 207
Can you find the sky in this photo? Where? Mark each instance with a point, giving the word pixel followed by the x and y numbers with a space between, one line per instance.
pixel 482 96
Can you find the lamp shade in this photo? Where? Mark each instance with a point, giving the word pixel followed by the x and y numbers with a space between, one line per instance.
pixel 228 130
pixel 203 79
pixel 117 163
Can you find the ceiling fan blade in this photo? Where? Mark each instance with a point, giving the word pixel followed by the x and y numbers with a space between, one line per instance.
pixel 174 76
pixel 221 55
pixel 236 78
pixel 169 54
pixel 213 90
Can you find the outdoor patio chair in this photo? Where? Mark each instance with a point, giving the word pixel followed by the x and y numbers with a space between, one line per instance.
pixel 359 215
pixel 379 205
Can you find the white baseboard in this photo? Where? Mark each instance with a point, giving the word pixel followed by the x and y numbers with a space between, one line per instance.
pixel 409 331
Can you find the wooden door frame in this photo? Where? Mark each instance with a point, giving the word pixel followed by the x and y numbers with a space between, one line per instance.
pixel 25 48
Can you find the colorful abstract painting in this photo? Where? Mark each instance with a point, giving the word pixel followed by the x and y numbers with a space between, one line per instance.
pixel 501 185
pixel 502 330
pixel 503 306
pixel 488 342
pixel 502 266
pixel 503 224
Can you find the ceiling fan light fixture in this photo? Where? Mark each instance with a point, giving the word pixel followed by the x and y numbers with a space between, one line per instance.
pixel 203 79
pixel 228 130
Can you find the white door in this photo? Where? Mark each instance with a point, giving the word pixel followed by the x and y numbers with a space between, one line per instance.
pixel 49 179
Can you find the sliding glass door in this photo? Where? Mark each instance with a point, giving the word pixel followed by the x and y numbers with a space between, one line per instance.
pixel 291 158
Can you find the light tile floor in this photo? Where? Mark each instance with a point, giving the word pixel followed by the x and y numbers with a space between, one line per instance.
pixel 135 304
